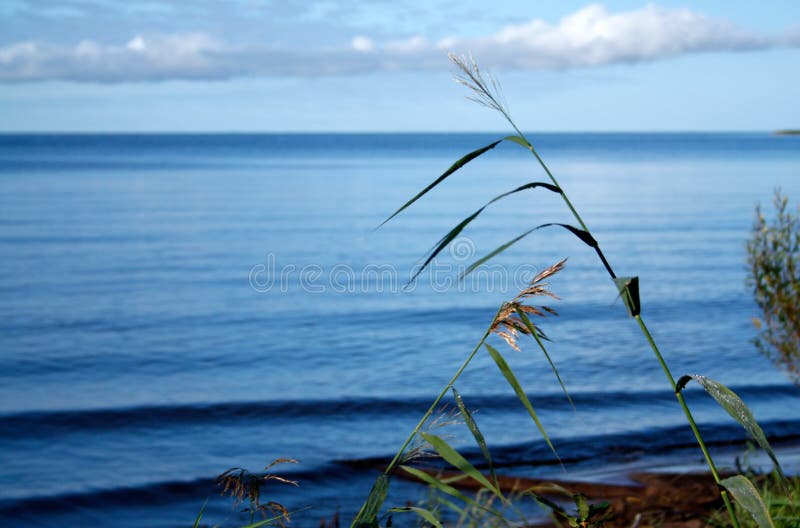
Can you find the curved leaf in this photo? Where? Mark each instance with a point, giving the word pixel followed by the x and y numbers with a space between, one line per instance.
pixel 476 433
pixel 512 380
pixel 584 236
pixel 494 253
pixel 735 407
pixel 748 498
pixel 448 489
pixel 455 459
pixel 443 242
pixel 453 233
pixel 534 332
pixel 519 140
pixel 368 516
pixel 453 168
pixel 200 515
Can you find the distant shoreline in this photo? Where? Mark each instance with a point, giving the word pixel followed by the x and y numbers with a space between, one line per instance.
pixel 788 132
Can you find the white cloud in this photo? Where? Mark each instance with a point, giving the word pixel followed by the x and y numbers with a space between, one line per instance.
pixel 361 43
pixel 589 37
pixel 594 37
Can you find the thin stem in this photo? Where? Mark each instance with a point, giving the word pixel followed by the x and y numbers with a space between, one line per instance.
pixel 709 461
pixel 689 418
pixel 441 395
pixel 430 410
pixel 549 174
pixel 653 345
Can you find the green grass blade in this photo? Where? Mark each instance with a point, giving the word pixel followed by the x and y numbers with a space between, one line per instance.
pixel 512 380
pixel 494 253
pixel 735 407
pixel 748 498
pixel 368 516
pixel 450 504
pixel 519 140
pixel 422 512
pixel 448 489
pixel 200 515
pixel 584 236
pixel 583 505
pixel 453 168
pixel 453 233
pixel 267 522
pixel 438 484
pixel 454 458
pixel 532 185
pixel 535 333
pixel 476 433
pixel 262 523
pixel 444 241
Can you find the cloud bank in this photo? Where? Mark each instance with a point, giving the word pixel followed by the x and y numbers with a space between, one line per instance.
pixel 589 37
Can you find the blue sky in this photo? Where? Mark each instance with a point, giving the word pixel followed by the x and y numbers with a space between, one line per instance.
pixel 347 65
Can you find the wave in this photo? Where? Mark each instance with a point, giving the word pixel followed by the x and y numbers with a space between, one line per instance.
pixel 590 450
pixel 43 422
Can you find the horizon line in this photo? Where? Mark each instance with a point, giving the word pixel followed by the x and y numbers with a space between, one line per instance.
pixel 777 131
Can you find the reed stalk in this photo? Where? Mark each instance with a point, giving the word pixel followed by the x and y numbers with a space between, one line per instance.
pixel 488 94
pixel 645 331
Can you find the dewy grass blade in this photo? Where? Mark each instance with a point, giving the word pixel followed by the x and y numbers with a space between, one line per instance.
pixel 476 433
pixel 523 398
pixel 736 408
pixel 748 498
pixel 368 515
pixel 454 458
pixel 532 329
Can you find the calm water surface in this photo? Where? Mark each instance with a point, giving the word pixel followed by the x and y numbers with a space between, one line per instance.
pixel 175 305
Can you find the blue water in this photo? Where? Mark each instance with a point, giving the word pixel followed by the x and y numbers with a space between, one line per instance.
pixel 175 305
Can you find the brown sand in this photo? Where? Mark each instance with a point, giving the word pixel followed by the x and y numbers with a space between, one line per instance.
pixel 664 500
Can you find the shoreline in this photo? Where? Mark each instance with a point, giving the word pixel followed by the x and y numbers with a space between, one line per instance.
pixel 652 498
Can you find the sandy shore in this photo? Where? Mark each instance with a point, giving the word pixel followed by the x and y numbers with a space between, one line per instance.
pixel 665 500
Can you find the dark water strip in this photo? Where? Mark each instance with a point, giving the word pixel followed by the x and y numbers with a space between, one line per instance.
pixel 589 450
pixel 51 422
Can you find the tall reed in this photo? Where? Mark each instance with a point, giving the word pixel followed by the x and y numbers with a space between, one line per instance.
pixel 485 91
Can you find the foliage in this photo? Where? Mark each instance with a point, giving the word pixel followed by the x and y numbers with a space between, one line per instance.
pixel 783 507
pixel 511 321
pixel 773 258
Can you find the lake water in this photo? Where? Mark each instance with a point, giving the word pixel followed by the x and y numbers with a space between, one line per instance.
pixel 175 305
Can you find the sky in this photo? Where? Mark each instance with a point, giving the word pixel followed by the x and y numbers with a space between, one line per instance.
pixel 382 65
